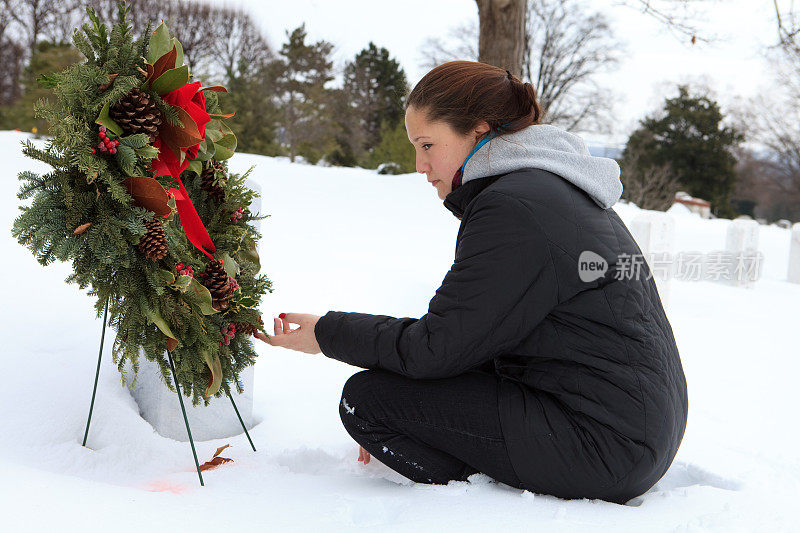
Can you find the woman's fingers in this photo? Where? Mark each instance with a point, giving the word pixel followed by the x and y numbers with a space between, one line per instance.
pixel 302 339
pixel 363 455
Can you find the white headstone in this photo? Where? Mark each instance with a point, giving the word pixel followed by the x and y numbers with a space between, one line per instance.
pixel 740 263
pixel 161 408
pixel 794 255
pixel 655 234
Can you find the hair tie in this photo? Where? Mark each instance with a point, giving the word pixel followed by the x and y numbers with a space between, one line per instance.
pixel 509 74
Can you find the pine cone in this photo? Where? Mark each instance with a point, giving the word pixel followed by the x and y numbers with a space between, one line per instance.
pixel 136 112
pixel 246 328
pixel 207 180
pixel 215 280
pixel 154 243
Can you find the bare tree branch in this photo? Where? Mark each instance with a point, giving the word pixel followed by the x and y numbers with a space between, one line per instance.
pixel 681 17
pixel 649 187
pixel 565 49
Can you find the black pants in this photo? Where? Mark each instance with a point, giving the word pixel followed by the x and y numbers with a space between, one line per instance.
pixel 430 431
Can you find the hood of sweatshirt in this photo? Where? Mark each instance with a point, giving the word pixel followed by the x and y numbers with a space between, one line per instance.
pixel 549 148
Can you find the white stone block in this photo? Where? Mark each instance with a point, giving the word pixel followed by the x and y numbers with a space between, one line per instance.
pixel 794 255
pixel 161 408
pixel 655 235
pixel 255 205
pixel 741 262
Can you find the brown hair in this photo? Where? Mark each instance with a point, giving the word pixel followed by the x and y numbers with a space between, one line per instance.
pixel 463 93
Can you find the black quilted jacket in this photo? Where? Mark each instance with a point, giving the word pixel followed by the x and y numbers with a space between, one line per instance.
pixel 593 399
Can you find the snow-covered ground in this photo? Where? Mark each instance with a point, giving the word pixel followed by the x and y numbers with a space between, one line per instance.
pixel 352 240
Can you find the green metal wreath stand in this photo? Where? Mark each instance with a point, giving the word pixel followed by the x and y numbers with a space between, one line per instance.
pixel 177 389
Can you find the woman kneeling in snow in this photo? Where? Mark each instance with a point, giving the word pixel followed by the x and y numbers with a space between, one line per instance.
pixel 539 362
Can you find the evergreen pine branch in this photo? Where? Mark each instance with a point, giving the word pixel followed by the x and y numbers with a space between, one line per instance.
pixel 143 41
pixel 167 111
pixel 97 34
pixel 32 183
pixel 81 42
pixel 49 157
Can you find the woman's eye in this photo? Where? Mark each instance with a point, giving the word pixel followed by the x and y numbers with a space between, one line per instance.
pixel 424 146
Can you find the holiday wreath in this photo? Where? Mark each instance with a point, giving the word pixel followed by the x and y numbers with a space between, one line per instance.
pixel 176 270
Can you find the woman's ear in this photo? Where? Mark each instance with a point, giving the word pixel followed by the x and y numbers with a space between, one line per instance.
pixel 481 129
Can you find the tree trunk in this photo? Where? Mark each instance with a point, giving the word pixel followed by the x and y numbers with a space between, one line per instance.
pixel 501 41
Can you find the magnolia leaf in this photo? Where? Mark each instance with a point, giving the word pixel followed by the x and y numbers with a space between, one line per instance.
pixel 222 115
pixel 215 88
pixel 104 120
pixel 197 294
pixel 231 267
pixel 171 344
pixel 196 166
pixel 205 151
pixel 216 461
pixel 184 137
pixel 160 44
pixel 163 64
pixel 167 276
pixel 212 360
pixel 170 80
pixel 249 251
pixel 214 130
pixel 148 193
pixel 179 51
pixel 80 229
pixel 225 147
pixel 156 318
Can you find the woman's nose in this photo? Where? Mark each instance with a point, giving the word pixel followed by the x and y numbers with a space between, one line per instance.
pixel 423 168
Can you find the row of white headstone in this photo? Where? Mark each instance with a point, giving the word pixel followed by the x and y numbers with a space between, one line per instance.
pixel 738 264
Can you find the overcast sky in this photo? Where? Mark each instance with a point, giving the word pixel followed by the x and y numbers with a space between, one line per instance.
pixel 654 61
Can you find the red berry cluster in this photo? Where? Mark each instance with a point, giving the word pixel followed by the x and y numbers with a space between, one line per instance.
pixel 237 215
pixel 233 283
pixel 227 334
pixel 106 144
pixel 184 270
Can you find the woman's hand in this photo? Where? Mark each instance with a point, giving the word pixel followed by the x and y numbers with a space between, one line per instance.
pixel 363 455
pixel 301 339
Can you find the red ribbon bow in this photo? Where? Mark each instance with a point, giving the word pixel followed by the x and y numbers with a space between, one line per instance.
pixel 192 225
pixel 189 101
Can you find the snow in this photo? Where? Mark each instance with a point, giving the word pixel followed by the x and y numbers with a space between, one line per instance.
pixel 353 240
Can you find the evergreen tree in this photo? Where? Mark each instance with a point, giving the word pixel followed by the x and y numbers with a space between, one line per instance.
pixel 690 139
pixel 302 72
pixel 394 151
pixel 375 85
pixel 251 92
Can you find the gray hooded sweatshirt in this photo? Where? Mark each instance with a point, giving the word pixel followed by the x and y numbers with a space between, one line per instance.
pixel 548 148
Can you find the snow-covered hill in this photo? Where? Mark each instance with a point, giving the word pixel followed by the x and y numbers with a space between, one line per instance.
pixel 352 240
